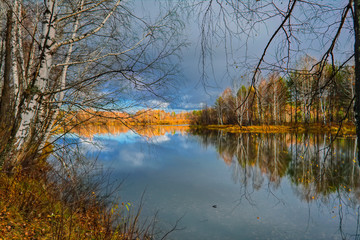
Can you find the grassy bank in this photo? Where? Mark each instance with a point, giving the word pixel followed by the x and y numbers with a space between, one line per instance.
pixel 346 129
pixel 34 206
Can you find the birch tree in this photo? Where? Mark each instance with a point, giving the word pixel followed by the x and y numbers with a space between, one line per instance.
pixel 60 56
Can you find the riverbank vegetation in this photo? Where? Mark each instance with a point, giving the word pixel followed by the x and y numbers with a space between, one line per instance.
pixel 335 129
pixel 41 203
pixel 287 104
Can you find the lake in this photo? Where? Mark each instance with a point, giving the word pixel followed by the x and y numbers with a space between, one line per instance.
pixel 235 186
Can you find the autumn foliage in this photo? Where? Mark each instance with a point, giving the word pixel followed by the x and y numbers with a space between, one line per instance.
pixel 287 100
pixel 141 117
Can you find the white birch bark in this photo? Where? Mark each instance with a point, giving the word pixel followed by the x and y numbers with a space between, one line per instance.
pixel 31 58
pixel 32 106
pixel 275 103
pixel 20 42
pixel 221 115
pixel 259 108
pixel 62 86
pixel 21 59
pixel 247 111
pixel 241 110
pixel 323 109
pixel 237 112
pixel 16 47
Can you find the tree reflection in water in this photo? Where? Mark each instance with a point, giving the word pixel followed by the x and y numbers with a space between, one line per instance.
pixel 278 168
pixel 320 172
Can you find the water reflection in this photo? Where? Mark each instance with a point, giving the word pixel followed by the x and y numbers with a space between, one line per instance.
pixel 148 131
pixel 315 167
pixel 265 186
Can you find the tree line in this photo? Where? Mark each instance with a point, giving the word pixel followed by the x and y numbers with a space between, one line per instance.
pixel 141 117
pixel 301 97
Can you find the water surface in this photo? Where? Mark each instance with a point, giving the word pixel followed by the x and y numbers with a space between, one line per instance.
pixel 236 186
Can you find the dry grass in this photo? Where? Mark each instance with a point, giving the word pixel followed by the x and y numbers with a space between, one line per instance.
pixel 34 207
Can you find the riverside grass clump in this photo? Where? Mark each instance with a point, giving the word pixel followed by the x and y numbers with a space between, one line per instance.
pixel 34 206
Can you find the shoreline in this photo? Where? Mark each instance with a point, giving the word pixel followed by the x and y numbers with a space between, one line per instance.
pixel 333 128
pixel 346 129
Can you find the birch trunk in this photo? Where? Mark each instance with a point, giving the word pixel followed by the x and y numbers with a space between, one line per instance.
pixel 29 115
pixel 62 86
pixel 16 47
pixel 241 111
pixel 323 109
pixel 259 109
pixel 21 76
pixel 247 111
pixel 221 116
pixel 238 112
pixel 275 104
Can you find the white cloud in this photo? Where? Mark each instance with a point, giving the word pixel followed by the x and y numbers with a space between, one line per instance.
pixel 193 106
pixel 158 104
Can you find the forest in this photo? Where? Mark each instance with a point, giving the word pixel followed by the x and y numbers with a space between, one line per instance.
pixel 296 99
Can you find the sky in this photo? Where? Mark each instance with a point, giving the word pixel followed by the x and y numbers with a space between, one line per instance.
pixel 231 67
